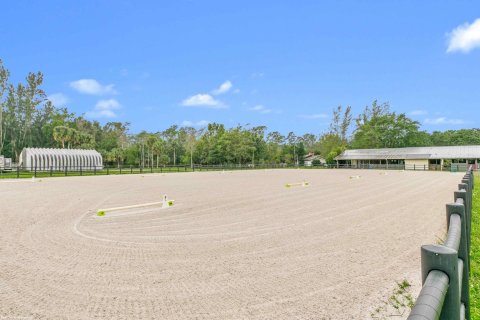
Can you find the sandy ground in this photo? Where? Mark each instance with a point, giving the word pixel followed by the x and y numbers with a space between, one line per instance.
pixel 236 245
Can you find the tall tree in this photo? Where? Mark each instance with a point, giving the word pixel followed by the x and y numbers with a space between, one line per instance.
pixel 335 141
pixel 191 136
pixel 171 137
pixel 4 76
pixel 377 127
pixel 61 134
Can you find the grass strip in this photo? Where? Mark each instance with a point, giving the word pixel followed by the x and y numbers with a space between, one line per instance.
pixel 475 253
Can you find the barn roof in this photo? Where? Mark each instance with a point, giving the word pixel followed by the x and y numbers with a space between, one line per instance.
pixel 449 152
pixel 54 151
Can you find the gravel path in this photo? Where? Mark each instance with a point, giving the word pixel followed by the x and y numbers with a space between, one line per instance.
pixel 236 245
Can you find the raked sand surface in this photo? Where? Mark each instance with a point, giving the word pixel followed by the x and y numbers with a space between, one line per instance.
pixel 236 245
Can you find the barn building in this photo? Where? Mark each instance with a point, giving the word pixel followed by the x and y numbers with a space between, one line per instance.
pixel 413 158
pixel 43 159
pixel 309 159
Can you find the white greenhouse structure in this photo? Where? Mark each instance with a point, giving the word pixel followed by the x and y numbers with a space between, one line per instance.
pixel 46 159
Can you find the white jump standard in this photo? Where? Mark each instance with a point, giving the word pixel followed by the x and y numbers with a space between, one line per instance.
pixel 165 203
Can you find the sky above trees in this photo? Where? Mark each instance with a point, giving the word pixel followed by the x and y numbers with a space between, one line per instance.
pixel 285 65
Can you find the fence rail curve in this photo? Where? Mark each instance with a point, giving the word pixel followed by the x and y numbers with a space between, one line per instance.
pixel 446 267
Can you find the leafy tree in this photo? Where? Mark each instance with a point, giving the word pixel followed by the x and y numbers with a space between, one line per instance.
pixel 378 127
pixel 275 142
pixel 191 136
pixel 117 154
pixel 309 141
pixel 61 134
pixel 171 136
pixel 341 121
pixel 335 141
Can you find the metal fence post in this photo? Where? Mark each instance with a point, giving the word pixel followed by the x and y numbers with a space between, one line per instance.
pixel 463 194
pixel 467 182
pixel 18 172
pixel 438 257
pixel 456 208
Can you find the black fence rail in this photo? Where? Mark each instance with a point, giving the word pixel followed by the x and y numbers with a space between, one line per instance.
pixel 446 267
pixel 18 172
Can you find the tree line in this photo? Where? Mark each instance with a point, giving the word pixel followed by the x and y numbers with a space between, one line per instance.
pixel 29 119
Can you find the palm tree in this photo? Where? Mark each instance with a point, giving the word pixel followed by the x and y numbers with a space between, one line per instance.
pixel 61 134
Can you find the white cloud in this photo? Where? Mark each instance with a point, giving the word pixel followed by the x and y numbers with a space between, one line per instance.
pixel 418 113
pixel 261 109
pixel 92 86
pixel 201 123
pixel 202 100
pixel 207 100
pixel 443 120
pixel 224 87
pixel 105 109
pixel 314 116
pixel 58 99
pixel 464 37
pixel 110 104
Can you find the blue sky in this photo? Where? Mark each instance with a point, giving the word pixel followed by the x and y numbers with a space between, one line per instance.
pixel 284 64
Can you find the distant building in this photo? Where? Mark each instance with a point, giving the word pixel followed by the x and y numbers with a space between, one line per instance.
pixel 310 158
pixel 43 159
pixel 5 163
pixel 417 158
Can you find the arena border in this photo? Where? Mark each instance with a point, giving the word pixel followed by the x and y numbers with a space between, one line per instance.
pixel 446 267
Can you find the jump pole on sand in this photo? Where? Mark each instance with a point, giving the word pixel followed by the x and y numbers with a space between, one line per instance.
pixel 165 204
pixel 297 184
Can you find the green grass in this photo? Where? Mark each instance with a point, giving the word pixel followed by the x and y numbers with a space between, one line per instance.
pixel 475 253
pixel 398 304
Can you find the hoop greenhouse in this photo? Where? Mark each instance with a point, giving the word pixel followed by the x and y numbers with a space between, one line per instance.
pixel 40 159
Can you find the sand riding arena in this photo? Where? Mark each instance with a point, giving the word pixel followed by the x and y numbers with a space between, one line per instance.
pixel 235 245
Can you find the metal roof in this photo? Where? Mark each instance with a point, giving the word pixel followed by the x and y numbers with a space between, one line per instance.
pixel 449 152
pixel 61 151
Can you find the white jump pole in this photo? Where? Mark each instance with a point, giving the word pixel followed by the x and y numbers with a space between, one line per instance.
pixel 303 184
pixel 165 203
